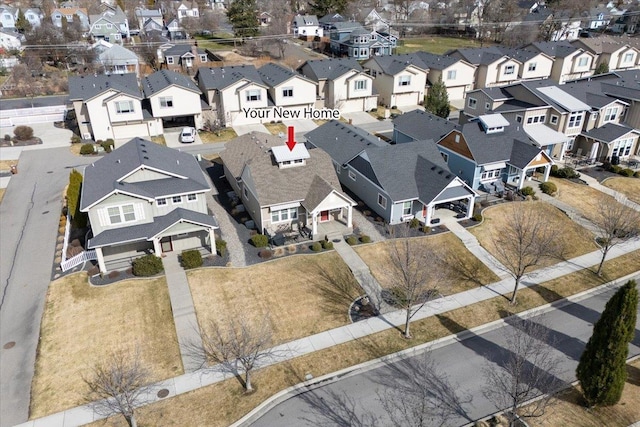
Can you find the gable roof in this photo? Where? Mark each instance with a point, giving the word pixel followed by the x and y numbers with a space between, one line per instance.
pixel 107 175
pixel 329 69
pixel 609 132
pixel 420 124
pixel 117 54
pixel 273 74
pixel 353 140
pixel 84 88
pixel 305 20
pixel 222 77
pixel 555 49
pixel 393 64
pixel 181 49
pixel 330 18
pixel 162 79
pixel 439 62
pixel 479 56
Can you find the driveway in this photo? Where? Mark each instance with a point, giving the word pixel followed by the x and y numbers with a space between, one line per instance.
pixel 172 138
pixel 408 108
pixel 356 397
pixel 29 216
pixel 301 127
pixel 245 129
pixel 359 118
pixel 51 136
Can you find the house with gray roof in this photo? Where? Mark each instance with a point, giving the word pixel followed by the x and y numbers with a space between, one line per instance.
pixel 143 15
pixel 306 27
pixel 115 58
pixel 493 67
pixel 185 57
pixel 348 38
pixel 457 75
pixel 112 25
pixel 286 191
pixel 400 80
pixel 173 98
pixel 145 198
pixel 398 182
pixel 8 16
pixel 287 88
pixel 71 14
pixel 569 61
pixel 611 142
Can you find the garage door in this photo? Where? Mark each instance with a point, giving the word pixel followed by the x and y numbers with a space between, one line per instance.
pixel 130 131
pixel 456 93
pixel 403 99
pixel 351 106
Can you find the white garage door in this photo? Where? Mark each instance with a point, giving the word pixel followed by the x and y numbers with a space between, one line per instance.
pixel 456 93
pixel 131 131
pixel 403 99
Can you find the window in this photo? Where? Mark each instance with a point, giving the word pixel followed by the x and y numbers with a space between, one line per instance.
pixel 109 26
pixel 166 102
pixel 192 197
pixel 575 120
pixel 451 74
pixel 509 69
pixel 532 66
pixel 489 175
pixel 245 192
pixel 445 156
pixel 569 145
pixel 253 95
pixel 118 214
pixel 124 107
pixel 382 201
pixel 610 114
pixel 97 26
pixel 161 202
pixel 583 62
pixel 284 215
pixel 554 119
pixel 287 92
pixel 472 103
pixel 360 85
pixel 487 106
pixel 519 119
pixel 628 57
pixel 176 200
pixel 203 58
pixel 536 119
pixel 406 208
pixel 169 59
pixel 352 175
pixel 404 80
pixel 622 148
pixel 363 52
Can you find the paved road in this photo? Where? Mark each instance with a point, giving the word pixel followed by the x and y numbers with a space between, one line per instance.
pixel 29 216
pixel 344 402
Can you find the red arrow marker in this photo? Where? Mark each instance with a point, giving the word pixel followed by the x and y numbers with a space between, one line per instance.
pixel 291 142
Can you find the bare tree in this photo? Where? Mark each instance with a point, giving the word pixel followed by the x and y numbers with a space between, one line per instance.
pixel 614 223
pixel 148 52
pixel 236 345
pixel 118 385
pixel 529 369
pixel 414 275
pixel 526 240
pixel 277 30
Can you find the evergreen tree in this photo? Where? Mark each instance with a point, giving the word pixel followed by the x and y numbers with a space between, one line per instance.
pixel 242 15
pixel 22 25
pixel 602 368
pixel 324 7
pixel 438 99
pixel 602 68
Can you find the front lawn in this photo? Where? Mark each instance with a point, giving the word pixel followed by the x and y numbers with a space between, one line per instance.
pixel 581 197
pixel 578 241
pixel 276 128
pixel 630 187
pixel 435 44
pixel 223 135
pixel 82 324
pixel 376 256
pixel 288 288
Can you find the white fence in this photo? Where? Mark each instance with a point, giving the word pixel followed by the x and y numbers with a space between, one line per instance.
pixel 25 116
pixel 89 255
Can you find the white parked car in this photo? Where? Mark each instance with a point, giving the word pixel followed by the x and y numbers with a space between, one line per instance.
pixel 188 135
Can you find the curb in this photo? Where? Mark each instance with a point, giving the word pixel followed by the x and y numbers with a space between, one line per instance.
pixel 312 384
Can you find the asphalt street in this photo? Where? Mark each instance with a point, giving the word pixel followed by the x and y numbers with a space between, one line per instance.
pixel 354 400
pixel 29 216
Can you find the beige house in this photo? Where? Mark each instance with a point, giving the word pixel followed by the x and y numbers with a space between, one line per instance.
pixel 613 51
pixel 569 62
pixel 397 79
pixel 288 89
pixel 457 74
pixel 174 98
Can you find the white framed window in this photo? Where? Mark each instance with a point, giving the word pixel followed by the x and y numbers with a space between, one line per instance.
pixel 610 114
pixel 192 197
pixel 406 208
pixel 509 69
pixel 119 214
pixel 166 102
pixel 541 118
pixel 161 202
pixel 487 106
pixel 382 201
pixel 532 66
pixel 282 215
pixel 352 175
pixel 203 58
pixel 490 175
pixel 583 62
pixel 253 95
pixel 169 59
pixel 109 26
pixel 176 200
pixel 452 74
pixel 622 148
pixel 124 107
pixel 360 85
pixel 575 120
pixel 472 103
pixel 287 92
pixel 628 57
pixel 404 80
pixel 554 119
pixel 97 26
pixel 570 143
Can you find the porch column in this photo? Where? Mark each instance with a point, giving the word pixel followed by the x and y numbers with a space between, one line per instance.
pixel 157 248
pixel 101 265
pixel 547 171
pixel 349 216
pixel 522 175
pixel 470 207
pixel 314 224
pixel 427 218
pixel 212 240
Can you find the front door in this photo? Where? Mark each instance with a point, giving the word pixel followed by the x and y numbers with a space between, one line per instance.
pixel 324 216
pixel 165 244
pixel 424 211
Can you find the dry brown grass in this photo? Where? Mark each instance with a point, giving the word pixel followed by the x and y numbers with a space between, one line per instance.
pixel 630 187
pixel 223 135
pixel 2 190
pixel 577 240
pixel 376 256
pixel 75 148
pixel 82 324
pixel 276 128
pixel 570 409
pixel 159 139
pixel 231 403
pixel 581 197
pixel 211 157
pixel 287 288
pixel 5 165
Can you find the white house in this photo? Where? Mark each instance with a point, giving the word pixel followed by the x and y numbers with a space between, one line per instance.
pixel 399 79
pixel 10 39
pixel 306 26
pixel 287 88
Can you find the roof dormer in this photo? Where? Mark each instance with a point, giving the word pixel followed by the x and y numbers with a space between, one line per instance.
pixel 286 158
pixel 493 123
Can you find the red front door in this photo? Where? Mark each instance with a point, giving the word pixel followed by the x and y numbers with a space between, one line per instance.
pixel 324 216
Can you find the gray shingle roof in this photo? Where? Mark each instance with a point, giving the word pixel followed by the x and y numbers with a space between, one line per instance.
pixel 181 49
pixel 140 232
pixel 304 20
pixel 104 176
pixel 609 132
pixel 328 69
pixel 522 153
pixel 419 124
pixel 87 87
pixel 330 18
pixel 520 55
pixel 393 64
pixel 436 62
pixel 477 55
pixel 273 74
pixel 222 77
pixel 162 79
pixel 555 49
pixel 318 191
pixel 351 140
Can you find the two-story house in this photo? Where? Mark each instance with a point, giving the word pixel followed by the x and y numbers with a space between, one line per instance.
pixel 288 89
pixel 116 59
pixel 327 21
pixel 535 64
pixel 188 9
pixel 185 57
pixel 457 75
pixel 71 14
pixel 11 39
pixel 145 198
pixel 612 51
pixel 286 190
pixel 34 15
pixel 143 15
pixel 569 62
pixel 341 83
pixel 400 80
pixel 306 27
pixel 174 98
pixel 111 25
pixel 8 16
pixel 355 41
pixel 110 106
pixel 493 67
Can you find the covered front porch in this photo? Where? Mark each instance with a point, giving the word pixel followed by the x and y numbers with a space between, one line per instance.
pixel 325 205
pixel 456 200
pixel 539 168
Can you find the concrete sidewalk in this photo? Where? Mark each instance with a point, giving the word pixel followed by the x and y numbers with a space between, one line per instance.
pixel 194 380
pixel 593 183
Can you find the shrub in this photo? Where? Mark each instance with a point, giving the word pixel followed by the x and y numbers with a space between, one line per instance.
pixel 148 265
pixel 365 239
pixel 259 240
pixel 426 229
pixel 7 137
pixel 626 172
pixel 23 132
pixel 316 247
pixel 637 174
pixel 414 223
pixel 477 217
pixel 615 168
pixel 191 259
pixel 75 139
pixel 351 241
pixel 327 244
pixel 221 247
pixel 86 149
pixel 265 254
pixel 566 172
pixel 554 170
pixel 108 145
pixel 528 191
pixel 548 188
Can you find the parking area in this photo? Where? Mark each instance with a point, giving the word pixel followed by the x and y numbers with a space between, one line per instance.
pixel 358 118
pixel 172 138
pixel 51 136
pixel 245 129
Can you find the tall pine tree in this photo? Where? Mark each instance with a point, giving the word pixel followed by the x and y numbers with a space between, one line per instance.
pixel 602 369
pixel 438 99
pixel 242 15
pixel 324 7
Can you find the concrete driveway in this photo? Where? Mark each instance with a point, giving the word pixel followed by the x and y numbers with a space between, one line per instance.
pixel 245 129
pixel 172 138
pixel 359 118
pixel 51 136
pixel 301 127
pixel 408 108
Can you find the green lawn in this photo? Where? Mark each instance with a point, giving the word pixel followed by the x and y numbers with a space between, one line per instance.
pixel 216 42
pixel 435 44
